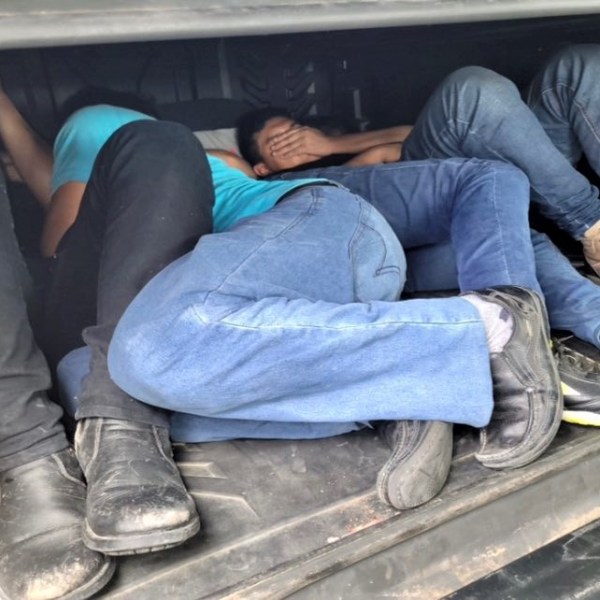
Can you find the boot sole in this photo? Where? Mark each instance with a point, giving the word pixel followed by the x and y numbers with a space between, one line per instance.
pixel 153 541
pixel 408 482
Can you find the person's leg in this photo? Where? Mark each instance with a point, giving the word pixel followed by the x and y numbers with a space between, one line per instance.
pixel 573 300
pixel 301 256
pixel 480 205
pixel 564 98
pixel 270 295
pixel 283 341
pixel 143 208
pixel 573 303
pixel 42 495
pixel 30 426
pixel 148 201
pixel 431 268
pixel 478 113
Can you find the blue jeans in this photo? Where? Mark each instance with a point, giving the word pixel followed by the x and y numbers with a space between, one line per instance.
pixel 573 301
pixel 477 113
pixel 480 206
pixel 288 326
pixel 565 98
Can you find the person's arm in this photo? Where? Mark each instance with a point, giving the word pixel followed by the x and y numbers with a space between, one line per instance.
pixel 61 214
pixel 386 153
pixel 30 155
pixel 308 140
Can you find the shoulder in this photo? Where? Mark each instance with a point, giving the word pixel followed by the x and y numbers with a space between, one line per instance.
pixel 105 112
pixel 91 126
pixel 97 120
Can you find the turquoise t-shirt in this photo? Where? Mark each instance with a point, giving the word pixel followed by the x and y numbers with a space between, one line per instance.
pixel 238 196
pixel 81 137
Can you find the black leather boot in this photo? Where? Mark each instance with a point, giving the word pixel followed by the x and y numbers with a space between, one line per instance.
pixel 527 392
pixel 42 555
pixel 419 464
pixel 136 500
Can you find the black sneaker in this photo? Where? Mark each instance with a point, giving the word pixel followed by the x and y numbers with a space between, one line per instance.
pixel 419 464
pixel 579 370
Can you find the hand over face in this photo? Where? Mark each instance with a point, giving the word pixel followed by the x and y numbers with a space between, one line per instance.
pixel 284 144
pixel 300 140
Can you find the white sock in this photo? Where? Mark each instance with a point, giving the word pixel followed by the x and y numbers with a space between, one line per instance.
pixel 498 322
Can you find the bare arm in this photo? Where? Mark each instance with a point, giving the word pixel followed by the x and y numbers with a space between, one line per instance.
pixel 30 155
pixel 61 214
pixel 386 153
pixel 307 140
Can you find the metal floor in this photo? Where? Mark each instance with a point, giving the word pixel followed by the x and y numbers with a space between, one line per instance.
pixel 302 520
pixel 566 569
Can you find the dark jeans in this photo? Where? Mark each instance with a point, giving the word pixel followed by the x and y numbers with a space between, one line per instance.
pixel 30 425
pixel 148 201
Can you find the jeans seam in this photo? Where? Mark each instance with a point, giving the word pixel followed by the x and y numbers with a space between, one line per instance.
pixel 461 323
pixel 498 227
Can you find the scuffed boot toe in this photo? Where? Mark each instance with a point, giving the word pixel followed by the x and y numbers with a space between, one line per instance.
pixel 155 518
pixel 55 564
pixel 42 554
pixel 137 501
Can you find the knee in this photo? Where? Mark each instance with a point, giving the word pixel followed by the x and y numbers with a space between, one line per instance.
pixel 482 87
pixel 578 52
pixel 514 174
pixel 507 174
pixel 576 60
pixel 152 138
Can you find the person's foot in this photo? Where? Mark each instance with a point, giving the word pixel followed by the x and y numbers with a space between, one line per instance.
pixel 527 393
pixel 419 464
pixel 579 370
pixel 42 555
pixel 137 501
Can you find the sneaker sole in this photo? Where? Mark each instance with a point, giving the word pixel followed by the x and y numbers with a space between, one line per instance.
pixel 581 417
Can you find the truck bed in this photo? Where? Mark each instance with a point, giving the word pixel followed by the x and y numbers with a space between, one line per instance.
pixel 301 519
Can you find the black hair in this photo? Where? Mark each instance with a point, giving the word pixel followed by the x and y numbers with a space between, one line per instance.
pixel 249 125
pixel 90 96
